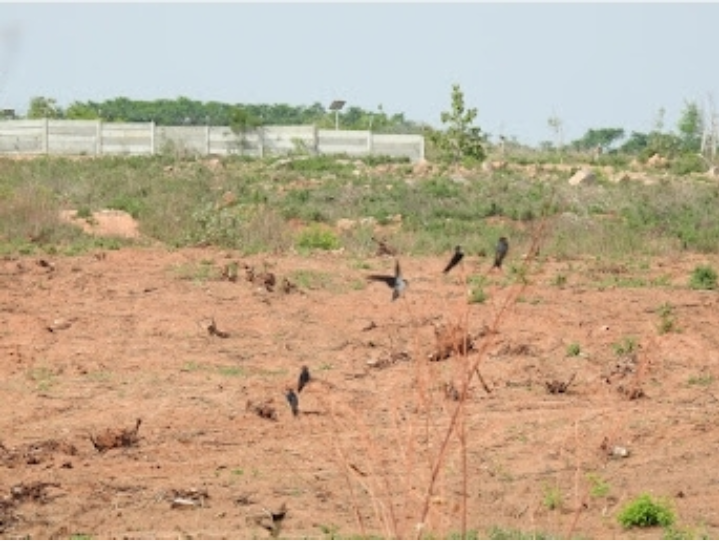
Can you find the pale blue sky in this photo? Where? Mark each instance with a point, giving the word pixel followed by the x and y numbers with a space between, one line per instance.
pixel 592 65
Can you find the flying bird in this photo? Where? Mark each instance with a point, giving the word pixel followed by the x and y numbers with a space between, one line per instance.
pixel 293 401
pixel 304 379
pixel 500 252
pixel 396 282
pixel 456 258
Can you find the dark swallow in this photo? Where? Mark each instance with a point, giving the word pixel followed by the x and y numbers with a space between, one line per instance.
pixel 456 258
pixel 500 252
pixel 304 379
pixel 293 401
pixel 396 282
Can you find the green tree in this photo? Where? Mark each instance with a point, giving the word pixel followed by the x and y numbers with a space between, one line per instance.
pixel 690 126
pixel 603 138
pixel 460 141
pixel 83 111
pixel 42 107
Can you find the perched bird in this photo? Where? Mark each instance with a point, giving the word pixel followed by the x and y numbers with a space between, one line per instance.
pixel 456 258
pixel 304 379
pixel 293 401
pixel 500 252
pixel 396 282
pixel 383 248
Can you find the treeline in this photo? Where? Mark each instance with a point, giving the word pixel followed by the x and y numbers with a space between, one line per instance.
pixel 185 111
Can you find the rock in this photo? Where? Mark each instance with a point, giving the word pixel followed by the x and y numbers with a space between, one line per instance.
pixel 657 161
pixel 421 167
pixel 583 176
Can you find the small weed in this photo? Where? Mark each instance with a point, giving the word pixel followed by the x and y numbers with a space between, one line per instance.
pixel 317 237
pixel 703 277
pixel 627 346
pixel 43 378
pixel 197 272
pixel 519 274
pixel 552 498
pixel 233 371
pixel 79 536
pixel 559 280
pixel 574 350
pixel 477 295
pixel 667 318
pixel 644 512
pixel 330 531
pixel 84 213
pixel 684 532
pixel 599 487
pixel 499 533
pixel 310 279
pixel 191 366
pixel 703 379
pixel 469 534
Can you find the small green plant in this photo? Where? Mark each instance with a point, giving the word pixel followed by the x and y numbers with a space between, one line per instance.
pixel 667 318
pixel 627 346
pixel 559 280
pixel 574 350
pixel 477 295
pixel 43 377
pixel 330 531
pixel 496 532
pixel 84 213
pixel 552 497
pixel 310 279
pixel 703 277
pixel 645 512
pixel 684 532
pixel 519 273
pixel 702 379
pixel 197 272
pixel 233 371
pixel 599 488
pixel 317 237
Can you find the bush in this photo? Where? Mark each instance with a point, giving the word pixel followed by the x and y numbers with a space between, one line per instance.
pixel 703 277
pixel 645 512
pixel 318 237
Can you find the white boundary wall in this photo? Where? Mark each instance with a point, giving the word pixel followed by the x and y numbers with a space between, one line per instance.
pixel 91 137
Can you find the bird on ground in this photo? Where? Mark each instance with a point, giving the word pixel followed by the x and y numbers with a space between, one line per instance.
pixel 397 282
pixel 500 252
pixel 304 379
pixel 293 402
pixel 456 258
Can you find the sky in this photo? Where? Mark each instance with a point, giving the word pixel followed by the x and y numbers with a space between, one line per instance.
pixel 591 65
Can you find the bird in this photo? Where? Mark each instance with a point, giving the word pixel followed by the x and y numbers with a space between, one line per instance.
pixel 304 379
pixel 293 401
pixel 500 252
pixel 456 258
pixel 397 282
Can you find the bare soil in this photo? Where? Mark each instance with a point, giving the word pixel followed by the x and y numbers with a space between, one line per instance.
pixel 143 396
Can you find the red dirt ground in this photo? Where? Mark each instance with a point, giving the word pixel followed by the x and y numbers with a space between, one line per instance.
pixel 93 343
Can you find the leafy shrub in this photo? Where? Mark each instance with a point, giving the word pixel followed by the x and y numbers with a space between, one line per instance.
pixel 317 237
pixel 574 349
pixel 645 512
pixel 688 163
pixel 703 277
